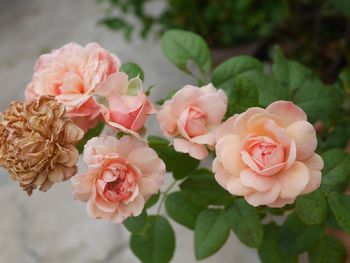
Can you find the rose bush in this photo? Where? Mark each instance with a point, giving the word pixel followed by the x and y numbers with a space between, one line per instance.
pixel 274 139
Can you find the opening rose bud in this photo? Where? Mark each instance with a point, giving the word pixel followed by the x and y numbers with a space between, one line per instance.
pixel 268 155
pixel 38 143
pixel 191 117
pixel 122 175
pixel 127 105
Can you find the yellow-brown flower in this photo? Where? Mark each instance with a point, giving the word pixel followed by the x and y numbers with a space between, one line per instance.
pixel 37 143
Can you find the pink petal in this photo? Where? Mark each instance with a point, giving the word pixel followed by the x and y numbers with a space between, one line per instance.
pixel 228 153
pixel 133 208
pixel 167 121
pixel 82 186
pixel 221 175
pixel 149 185
pixel 184 98
pixel 315 162
pixel 208 139
pixel 293 180
pixel 291 154
pixel 240 125
pixel 288 112
pixel 260 183
pixel 197 151
pixel 304 136
pixel 263 198
pixel 314 182
pixel 235 187
pixel 280 202
pixel 117 82
pixel 146 160
pixel 215 112
pixel 226 128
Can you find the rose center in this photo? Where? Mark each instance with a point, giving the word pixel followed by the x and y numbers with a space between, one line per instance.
pixel 265 152
pixel 196 122
pixel 117 182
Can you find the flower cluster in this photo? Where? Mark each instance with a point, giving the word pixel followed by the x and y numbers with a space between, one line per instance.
pixel 265 155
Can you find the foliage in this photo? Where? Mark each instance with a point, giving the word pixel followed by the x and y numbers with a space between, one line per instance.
pixel 201 205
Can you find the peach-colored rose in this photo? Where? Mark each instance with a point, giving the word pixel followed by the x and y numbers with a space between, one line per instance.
pixel 192 116
pixel 128 106
pixel 122 175
pixel 268 155
pixel 71 74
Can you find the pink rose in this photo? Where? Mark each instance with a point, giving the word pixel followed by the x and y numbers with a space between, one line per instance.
pixel 192 116
pixel 268 155
pixel 128 106
pixel 71 74
pixel 122 175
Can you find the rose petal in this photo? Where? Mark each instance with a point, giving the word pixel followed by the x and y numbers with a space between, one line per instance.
pixel 258 182
pixel 288 112
pixel 263 198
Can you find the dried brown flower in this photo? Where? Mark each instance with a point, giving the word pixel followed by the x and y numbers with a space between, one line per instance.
pixel 37 143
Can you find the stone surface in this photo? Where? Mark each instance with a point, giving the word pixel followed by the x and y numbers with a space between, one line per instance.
pixel 52 227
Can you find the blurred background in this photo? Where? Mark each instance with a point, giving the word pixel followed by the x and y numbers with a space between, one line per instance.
pixel 52 227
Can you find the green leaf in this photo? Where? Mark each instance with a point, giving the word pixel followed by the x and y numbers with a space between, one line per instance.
pixel 180 164
pixel 180 47
pixel 211 233
pixel 202 189
pixel 270 90
pixel 295 237
pixel 340 206
pixel 157 244
pixel 290 74
pixel 225 74
pixel 312 208
pixel 133 70
pixel 318 100
pixel 152 200
pixel 336 170
pixel 94 132
pixel 269 251
pixel 182 210
pixel 245 222
pixel 136 224
pixel 328 250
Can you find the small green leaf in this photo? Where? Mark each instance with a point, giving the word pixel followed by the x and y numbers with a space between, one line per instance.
pixel 136 224
pixel 182 210
pixel 269 251
pixel 211 233
pixel 270 90
pixel 133 70
pixel 245 222
pixel 290 74
pixel 295 237
pixel 328 250
pixel 318 100
pixel 94 132
pixel 336 170
pixel 157 244
pixel 202 189
pixel 312 208
pixel 340 206
pixel 152 200
pixel 225 74
pixel 181 47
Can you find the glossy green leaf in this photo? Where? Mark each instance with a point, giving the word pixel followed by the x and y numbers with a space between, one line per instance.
pixel 182 210
pixel 336 170
pixel 152 200
pixel 211 233
pixel 269 251
pixel 340 206
pixel 295 237
pixel 328 250
pixel 136 224
pixel 157 244
pixel 245 222
pixel 202 189
pixel 312 208
pixel 181 47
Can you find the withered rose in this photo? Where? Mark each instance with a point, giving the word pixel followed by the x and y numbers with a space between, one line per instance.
pixel 37 143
